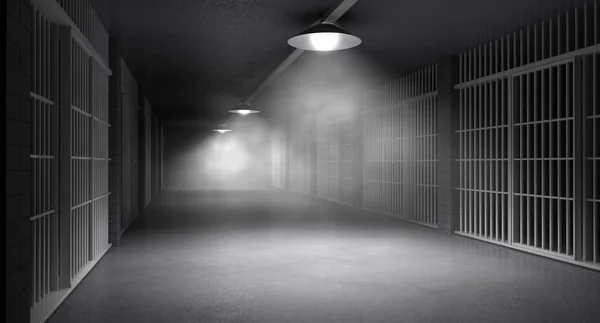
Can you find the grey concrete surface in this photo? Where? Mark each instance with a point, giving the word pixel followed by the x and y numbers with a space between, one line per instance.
pixel 266 256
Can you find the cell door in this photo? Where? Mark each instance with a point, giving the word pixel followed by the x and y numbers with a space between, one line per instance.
pixel 544 116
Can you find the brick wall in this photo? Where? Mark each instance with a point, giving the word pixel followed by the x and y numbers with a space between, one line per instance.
pixel 18 161
pixel 448 210
pixel 115 145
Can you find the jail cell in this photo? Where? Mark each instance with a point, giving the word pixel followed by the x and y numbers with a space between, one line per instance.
pixel 81 159
pixel 543 117
pixel 591 211
pixel 87 21
pixel 484 167
pixel 346 153
pixel 566 32
pixel 384 161
pixel 400 147
pixel 540 101
pixel 66 225
pixel 44 217
pixel 424 205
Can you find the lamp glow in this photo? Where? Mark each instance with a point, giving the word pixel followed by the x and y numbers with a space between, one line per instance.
pixel 324 41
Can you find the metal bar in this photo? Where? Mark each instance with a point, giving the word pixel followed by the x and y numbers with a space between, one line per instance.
pixel 91 143
pixel 525 114
pixel 559 110
pixel 596 151
pixel 537 156
pixel 579 123
pixel 54 224
pixel 509 142
pixel 551 173
pixel 64 157
pixel 590 50
pixel 484 151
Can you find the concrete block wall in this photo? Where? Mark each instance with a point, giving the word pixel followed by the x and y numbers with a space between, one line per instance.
pixel 18 161
pixel 115 144
pixel 448 148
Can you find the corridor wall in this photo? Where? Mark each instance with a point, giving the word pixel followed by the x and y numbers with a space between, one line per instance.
pixel 528 112
pixel 400 147
pixel 498 143
pixel 69 154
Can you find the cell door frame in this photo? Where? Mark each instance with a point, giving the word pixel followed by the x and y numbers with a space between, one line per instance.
pixel 577 149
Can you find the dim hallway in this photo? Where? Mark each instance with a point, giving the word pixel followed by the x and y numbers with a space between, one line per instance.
pixel 273 256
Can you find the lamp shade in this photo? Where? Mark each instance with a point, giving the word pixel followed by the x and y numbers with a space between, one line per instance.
pixel 324 37
pixel 244 109
pixel 222 128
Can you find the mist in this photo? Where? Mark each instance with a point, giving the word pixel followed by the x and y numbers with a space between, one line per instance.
pixel 326 86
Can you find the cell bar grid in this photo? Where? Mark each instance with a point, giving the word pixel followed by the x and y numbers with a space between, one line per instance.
pixel 543 117
pixel 44 215
pixel 483 160
pixel 425 158
pixel 383 150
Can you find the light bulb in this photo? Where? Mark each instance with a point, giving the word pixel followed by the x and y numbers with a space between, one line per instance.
pixel 324 41
pixel 222 130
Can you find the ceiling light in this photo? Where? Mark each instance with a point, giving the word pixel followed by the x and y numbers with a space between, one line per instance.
pixel 244 109
pixel 324 37
pixel 222 128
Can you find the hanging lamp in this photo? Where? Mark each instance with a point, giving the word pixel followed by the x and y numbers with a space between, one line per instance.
pixel 222 128
pixel 244 109
pixel 324 37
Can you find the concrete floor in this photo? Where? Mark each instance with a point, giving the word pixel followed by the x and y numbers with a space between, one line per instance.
pixel 268 256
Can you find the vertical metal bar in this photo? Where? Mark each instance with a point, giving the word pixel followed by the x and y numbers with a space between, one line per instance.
pixel 509 143
pixel 470 162
pixel 595 150
pixel 579 161
pixel 485 60
pixel 537 127
pixel 65 156
pixel 551 38
pixel 519 155
pixel 551 179
pixel 559 39
pixel 479 63
pixel 569 154
pixel 484 158
pixel 469 65
pixel 545 155
pixel 559 114
pixel 54 242
pixel 34 262
pixel 91 163
pixel 527 154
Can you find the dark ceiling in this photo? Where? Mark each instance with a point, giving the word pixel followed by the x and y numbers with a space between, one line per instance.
pixel 191 56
